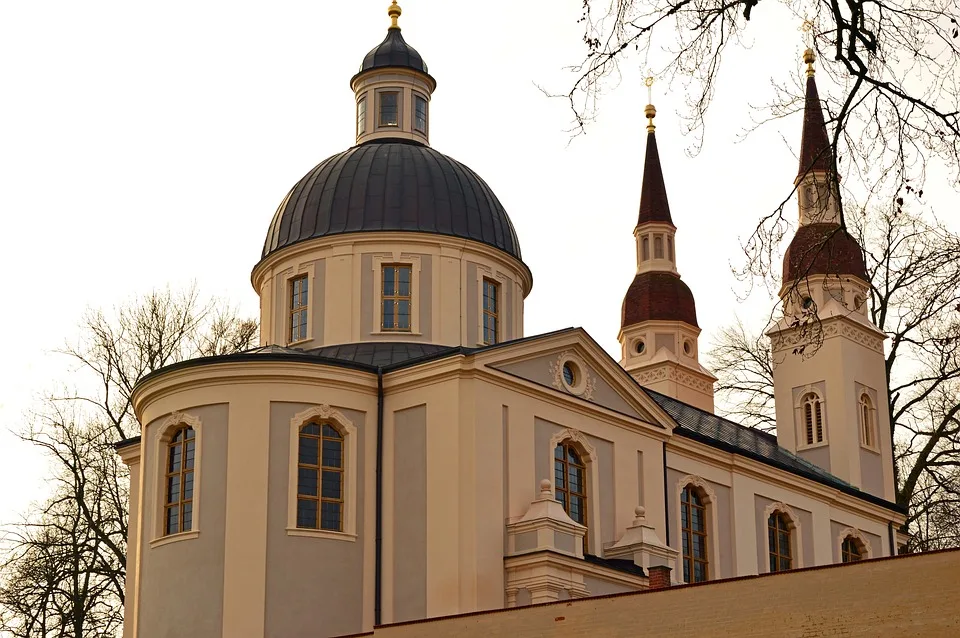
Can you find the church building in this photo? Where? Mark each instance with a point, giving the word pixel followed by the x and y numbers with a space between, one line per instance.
pixel 398 448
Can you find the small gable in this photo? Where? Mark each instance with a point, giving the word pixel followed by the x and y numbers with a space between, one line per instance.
pixel 569 371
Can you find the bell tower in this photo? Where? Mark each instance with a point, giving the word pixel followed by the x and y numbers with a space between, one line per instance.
pixel 828 363
pixel 658 328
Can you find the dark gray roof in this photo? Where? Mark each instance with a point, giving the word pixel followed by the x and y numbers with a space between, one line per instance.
pixel 393 52
pixel 722 433
pixel 380 354
pixel 391 185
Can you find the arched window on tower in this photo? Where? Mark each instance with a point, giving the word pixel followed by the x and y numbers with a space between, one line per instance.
pixel 867 432
pixel 670 248
pixel 645 251
pixel 812 410
pixel 693 528
pixel 570 483
pixel 658 247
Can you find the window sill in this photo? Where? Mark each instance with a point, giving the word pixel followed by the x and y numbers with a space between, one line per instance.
pixel 803 448
pixel 293 344
pixel 321 533
pixel 412 333
pixel 174 538
pixel 870 448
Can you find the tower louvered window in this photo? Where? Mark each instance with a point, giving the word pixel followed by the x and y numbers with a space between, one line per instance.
pixel 813 419
pixel 866 421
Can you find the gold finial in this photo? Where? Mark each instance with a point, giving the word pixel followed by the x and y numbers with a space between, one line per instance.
pixel 650 111
pixel 809 57
pixel 394 12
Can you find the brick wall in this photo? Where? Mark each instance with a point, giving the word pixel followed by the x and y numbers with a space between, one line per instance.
pixel 904 596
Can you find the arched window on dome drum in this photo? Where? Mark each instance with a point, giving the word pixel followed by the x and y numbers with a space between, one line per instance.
pixel 178 493
pixel 645 251
pixel 570 483
pixel 851 550
pixel 812 419
pixel 779 534
pixel 866 421
pixel 658 247
pixel 397 298
pixel 320 477
pixel 693 529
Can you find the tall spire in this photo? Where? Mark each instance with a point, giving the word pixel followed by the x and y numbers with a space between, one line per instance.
pixel 815 154
pixel 653 193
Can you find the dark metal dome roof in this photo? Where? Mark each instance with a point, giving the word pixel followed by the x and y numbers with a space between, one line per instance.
pixel 393 52
pixel 823 249
pixel 391 185
pixel 658 296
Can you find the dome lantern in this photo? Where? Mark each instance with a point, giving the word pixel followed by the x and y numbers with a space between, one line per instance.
pixel 393 89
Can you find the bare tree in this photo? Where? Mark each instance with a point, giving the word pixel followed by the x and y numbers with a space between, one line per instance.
pixel 914 271
pixel 67 560
pixel 891 98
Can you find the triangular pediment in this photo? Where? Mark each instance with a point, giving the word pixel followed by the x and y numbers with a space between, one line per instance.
pixel 596 377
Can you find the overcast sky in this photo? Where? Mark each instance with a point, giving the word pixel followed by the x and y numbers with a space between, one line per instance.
pixel 147 144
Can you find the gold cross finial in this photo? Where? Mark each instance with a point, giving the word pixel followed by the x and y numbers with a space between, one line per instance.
pixel 650 111
pixel 394 12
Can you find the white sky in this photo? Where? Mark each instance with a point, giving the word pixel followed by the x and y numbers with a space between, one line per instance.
pixel 146 144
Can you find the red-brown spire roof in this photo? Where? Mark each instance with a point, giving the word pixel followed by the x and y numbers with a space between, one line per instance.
pixel 653 193
pixel 815 152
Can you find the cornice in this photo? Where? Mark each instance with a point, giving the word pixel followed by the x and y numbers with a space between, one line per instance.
pixel 831 327
pixel 677 372
pixel 757 470
pixel 577 565
pixel 345 243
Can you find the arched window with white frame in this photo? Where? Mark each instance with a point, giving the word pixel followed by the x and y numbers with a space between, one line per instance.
pixel 812 413
pixel 322 490
pixel 178 463
pixel 570 483
pixel 694 535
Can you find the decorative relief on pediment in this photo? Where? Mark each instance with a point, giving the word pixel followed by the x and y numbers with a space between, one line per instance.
pixel 585 384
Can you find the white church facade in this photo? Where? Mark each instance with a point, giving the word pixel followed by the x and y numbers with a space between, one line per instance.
pixel 398 448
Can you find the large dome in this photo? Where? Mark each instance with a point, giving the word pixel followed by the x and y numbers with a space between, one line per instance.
pixel 391 185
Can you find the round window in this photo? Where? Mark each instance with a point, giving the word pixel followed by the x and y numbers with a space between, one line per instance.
pixel 807 303
pixel 570 373
pixel 640 347
pixel 687 348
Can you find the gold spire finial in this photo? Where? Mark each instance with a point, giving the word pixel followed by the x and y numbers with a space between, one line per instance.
pixel 809 57
pixel 394 12
pixel 650 110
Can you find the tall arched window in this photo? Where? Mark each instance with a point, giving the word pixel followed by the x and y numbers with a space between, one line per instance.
pixel 867 436
pixel 645 249
pixel 851 550
pixel 693 528
pixel 812 408
pixel 658 247
pixel 779 532
pixel 320 477
pixel 570 481
pixel 178 493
